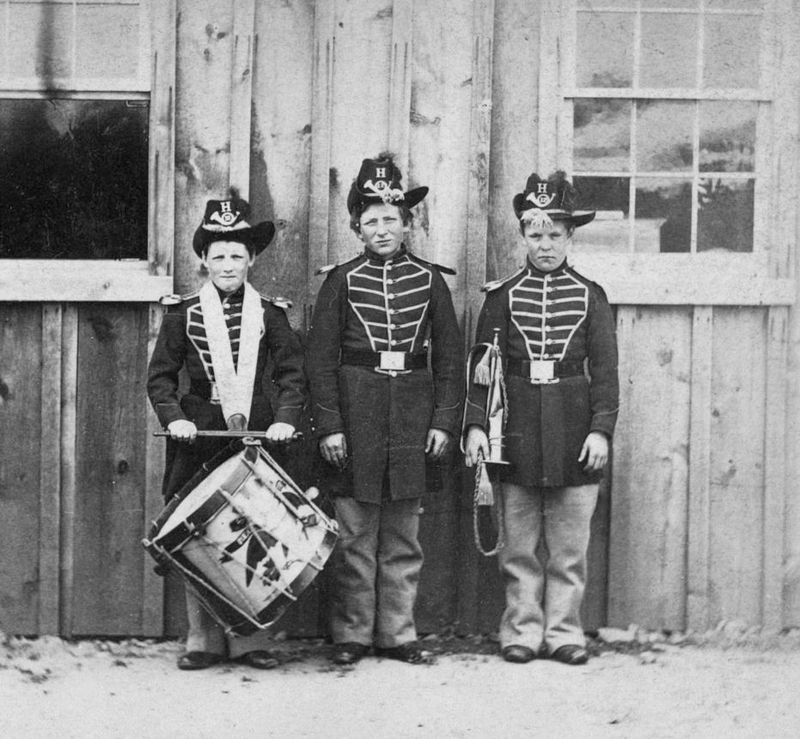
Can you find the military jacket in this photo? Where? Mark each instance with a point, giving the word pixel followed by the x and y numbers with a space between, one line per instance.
pixel 367 306
pixel 182 342
pixel 557 317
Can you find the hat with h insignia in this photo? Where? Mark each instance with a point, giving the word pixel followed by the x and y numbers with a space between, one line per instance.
pixel 226 220
pixel 553 199
pixel 378 181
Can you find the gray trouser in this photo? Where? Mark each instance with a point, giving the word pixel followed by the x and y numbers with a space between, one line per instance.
pixel 206 635
pixel 375 567
pixel 543 598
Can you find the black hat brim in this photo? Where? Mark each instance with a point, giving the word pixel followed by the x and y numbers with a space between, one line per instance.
pixel 411 198
pixel 255 238
pixel 576 218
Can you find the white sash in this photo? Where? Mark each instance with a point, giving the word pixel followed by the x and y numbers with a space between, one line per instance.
pixel 235 388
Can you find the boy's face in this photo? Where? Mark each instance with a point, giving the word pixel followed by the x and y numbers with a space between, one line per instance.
pixel 382 230
pixel 227 263
pixel 547 247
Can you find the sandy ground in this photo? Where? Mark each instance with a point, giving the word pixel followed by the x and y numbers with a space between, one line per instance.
pixel 718 685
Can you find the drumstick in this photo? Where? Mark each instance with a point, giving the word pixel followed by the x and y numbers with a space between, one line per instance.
pixel 236 434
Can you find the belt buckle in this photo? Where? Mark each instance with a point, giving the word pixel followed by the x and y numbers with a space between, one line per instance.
pixel 392 361
pixel 542 372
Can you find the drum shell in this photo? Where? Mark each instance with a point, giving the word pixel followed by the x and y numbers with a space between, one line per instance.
pixel 226 538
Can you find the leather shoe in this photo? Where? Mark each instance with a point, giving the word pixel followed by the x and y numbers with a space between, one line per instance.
pixel 409 652
pixel 348 653
pixel 198 660
pixel 258 658
pixel 571 654
pixel 517 653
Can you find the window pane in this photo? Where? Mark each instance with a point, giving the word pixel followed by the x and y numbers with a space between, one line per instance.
pixel 731 51
pixel 604 50
pixel 663 215
pixel 609 196
pixel 725 215
pixel 602 135
pixel 74 179
pixel 42 41
pixel 727 136
pixel 664 136
pixel 108 37
pixel 669 50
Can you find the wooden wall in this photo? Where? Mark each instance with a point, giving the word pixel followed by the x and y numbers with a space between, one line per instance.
pixel 282 100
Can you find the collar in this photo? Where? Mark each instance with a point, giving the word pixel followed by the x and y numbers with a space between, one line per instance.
pixel 538 273
pixel 401 256
pixel 237 296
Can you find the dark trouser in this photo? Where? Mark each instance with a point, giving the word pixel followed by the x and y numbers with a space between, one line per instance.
pixel 375 567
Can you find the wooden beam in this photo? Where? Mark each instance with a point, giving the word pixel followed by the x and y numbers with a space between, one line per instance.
pixel 78 280
pixel 699 514
pixel 400 81
pixel 321 114
pixel 775 469
pixel 50 470
pixel 152 584
pixel 67 452
pixel 242 94
pixel 161 203
pixel 479 149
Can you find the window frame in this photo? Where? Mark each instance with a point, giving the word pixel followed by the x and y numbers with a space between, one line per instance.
pixel 760 277
pixel 136 280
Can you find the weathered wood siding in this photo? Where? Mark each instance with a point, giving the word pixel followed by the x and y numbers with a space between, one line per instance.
pixel 699 519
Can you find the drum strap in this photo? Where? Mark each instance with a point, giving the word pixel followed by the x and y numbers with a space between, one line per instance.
pixel 235 384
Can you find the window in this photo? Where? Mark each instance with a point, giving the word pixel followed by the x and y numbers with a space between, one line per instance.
pixel 670 112
pixel 76 91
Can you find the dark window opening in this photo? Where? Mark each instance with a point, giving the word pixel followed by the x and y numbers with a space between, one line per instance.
pixel 73 179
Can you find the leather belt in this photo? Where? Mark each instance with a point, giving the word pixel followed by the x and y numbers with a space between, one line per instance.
pixel 209 391
pixel 544 371
pixel 385 361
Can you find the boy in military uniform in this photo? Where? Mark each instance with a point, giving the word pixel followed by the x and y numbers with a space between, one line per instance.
pixel 379 412
pixel 557 339
pixel 223 335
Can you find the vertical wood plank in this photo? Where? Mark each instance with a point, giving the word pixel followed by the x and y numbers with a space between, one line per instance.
pixel 241 94
pixel 697 606
pixel 202 124
pixel 321 115
pixel 736 530
pixel 650 469
pixel 152 621
pixel 161 203
pixel 281 148
pixel 479 150
pixel 50 473
pixel 110 453
pixel 553 13
pixel 21 464
pixel 69 383
pixel 400 81
pixel 775 469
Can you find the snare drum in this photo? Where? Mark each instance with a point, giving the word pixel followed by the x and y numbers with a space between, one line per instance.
pixel 246 539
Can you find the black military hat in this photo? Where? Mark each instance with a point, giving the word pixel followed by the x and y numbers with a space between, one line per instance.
pixel 378 181
pixel 225 220
pixel 554 198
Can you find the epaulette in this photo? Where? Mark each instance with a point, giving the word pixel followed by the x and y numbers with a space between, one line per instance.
pixel 329 267
pixel 494 284
pixel 173 299
pixel 440 267
pixel 284 303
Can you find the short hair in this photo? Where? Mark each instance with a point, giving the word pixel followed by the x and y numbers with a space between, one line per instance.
pixel 570 225
pixel 361 207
